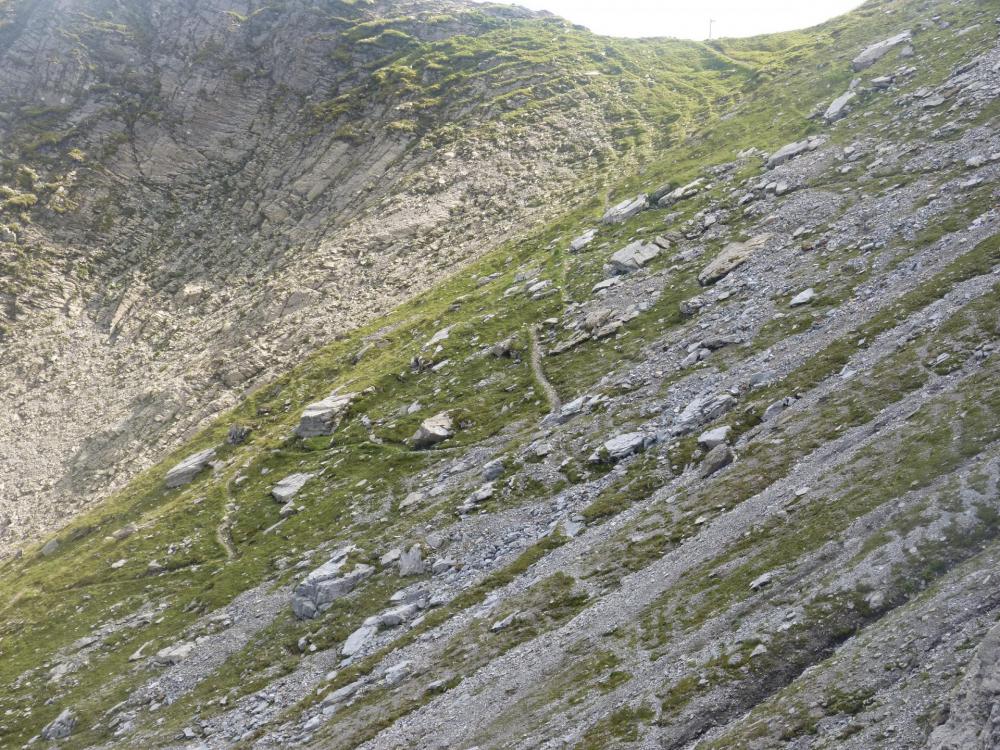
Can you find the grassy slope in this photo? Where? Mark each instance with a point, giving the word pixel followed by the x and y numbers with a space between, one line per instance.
pixel 48 602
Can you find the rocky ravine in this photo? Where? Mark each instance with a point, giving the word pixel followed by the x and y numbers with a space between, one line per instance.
pixel 716 467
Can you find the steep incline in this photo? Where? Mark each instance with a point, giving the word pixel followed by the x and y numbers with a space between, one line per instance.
pixel 765 514
pixel 196 194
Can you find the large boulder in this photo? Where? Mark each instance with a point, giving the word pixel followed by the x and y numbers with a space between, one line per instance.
pixel 189 468
pixel 669 198
pixel 61 727
pixel 633 256
pixel 582 241
pixel 323 417
pixel 433 430
pixel 174 654
pixel 717 459
pixel 876 52
pixel 411 562
pixel 357 640
pixel 325 585
pixel 790 151
pixel 624 210
pixel 733 255
pixel 289 487
pixel 838 107
pixel 620 447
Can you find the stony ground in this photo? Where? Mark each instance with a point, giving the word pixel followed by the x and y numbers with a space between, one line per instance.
pixel 718 468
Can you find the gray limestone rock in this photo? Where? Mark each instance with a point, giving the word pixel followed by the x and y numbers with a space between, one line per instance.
pixel 289 487
pixel 871 55
pixel 61 727
pixel 717 459
pixel 411 562
pixel 624 210
pixel 634 256
pixel 189 468
pixel 432 431
pixel 323 417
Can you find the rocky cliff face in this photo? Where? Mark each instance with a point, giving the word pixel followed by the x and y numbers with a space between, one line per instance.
pixel 706 459
pixel 198 193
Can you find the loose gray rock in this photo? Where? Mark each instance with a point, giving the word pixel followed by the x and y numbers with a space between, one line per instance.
pixel 582 241
pixel 323 417
pixel 772 411
pixel 189 468
pixel 634 256
pixel 174 654
pixel 732 257
pixel 838 107
pixel 717 459
pixel 357 640
pixel 325 585
pixel 289 487
pixel 619 447
pixel 624 210
pixel 876 52
pixel 411 562
pixel 803 298
pixel 398 672
pixel 492 470
pixel 432 431
pixel 712 438
pixel 61 727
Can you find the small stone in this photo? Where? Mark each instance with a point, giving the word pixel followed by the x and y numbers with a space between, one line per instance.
pixel 803 298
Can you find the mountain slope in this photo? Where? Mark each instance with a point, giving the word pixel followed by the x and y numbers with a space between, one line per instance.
pixel 725 474
pixel 189 208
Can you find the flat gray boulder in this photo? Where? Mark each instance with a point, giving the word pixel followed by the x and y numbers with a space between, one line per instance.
pixel 733 255
pixel 61 727
pixel 433 430
pixel 838 107
pixel 712 438
pixel 582 241
pixel 620 447
pixel 877 51
pixel 717 459
pixel 790 151
pixel 323 417
pixel 325 585
pixel 357 640
pixel 289 487
pixel 633 256
pixel 624 210
pixel 803 298
pixel 189 468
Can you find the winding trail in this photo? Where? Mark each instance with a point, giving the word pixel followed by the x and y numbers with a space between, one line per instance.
pixel 223 532
pixel 555 404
